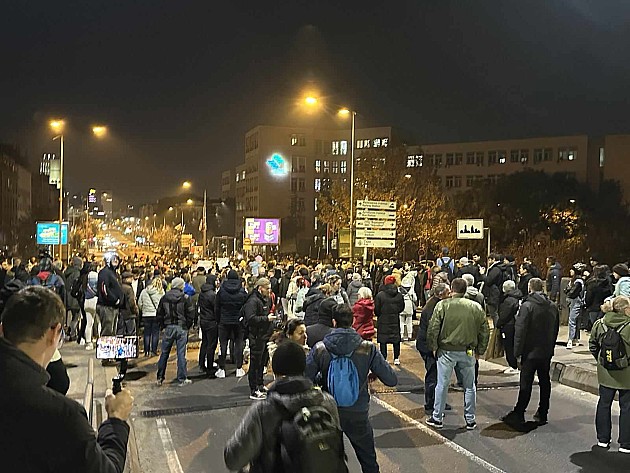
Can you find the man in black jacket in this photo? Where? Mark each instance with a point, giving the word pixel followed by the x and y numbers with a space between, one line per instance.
pixel 440 291
pixel 110 294
pixel 208 324
pixel 42 430
pixel 535 334
pixel 258 320
pixel 255 441
pixel 175 314
pixel 227 306
pixel 492 287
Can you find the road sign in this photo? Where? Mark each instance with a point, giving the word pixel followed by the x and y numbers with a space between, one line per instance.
pixel 344 242
pixel 382 224
pixel 369 243
pixel 48 233
pixel 376 214
pixel 376 205
pixel 470 229
pixel 376 233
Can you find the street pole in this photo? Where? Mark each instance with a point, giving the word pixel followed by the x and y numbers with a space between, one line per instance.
pixel 60 196
pixel 488 241
pixel 352 187
pixel 205 224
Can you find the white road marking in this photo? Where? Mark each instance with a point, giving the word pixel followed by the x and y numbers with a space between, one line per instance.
pixel 169 448
pixel 432 433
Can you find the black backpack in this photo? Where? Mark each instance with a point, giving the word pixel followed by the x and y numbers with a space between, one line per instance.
pixel 446 266
pixel 76 290
pixel 310 442
pixel 612 353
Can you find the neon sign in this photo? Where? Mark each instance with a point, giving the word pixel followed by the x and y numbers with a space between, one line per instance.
pixel 277 165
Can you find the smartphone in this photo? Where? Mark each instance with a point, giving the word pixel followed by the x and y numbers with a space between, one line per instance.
pixel 117 347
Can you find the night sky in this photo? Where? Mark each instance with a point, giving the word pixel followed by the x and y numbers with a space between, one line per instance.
pixel 180 82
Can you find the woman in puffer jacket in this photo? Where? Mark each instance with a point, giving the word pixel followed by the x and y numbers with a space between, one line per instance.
pixel 363 312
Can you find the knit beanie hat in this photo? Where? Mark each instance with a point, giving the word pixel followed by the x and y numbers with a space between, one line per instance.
pixel 232 274
pixel 289 359
pixel 390 280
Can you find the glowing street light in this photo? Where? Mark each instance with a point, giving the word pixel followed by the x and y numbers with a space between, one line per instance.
pixel 99 131
pixel 189 201
pixel 170 209
pixel 57 125
pixel 310 100
pixel 186 185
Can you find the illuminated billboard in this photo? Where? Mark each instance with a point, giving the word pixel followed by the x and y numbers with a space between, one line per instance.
pixel 262 231
pixel 48 233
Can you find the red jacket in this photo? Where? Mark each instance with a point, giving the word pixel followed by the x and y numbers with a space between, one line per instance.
pixel 363 312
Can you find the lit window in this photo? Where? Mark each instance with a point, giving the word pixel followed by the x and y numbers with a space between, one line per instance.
pixel 243 175
pixel 237 176
pixel 316 208
pixel 326 166
pixel 315 223
pixel 335 147
pixel 502 157
pixel 376 143
pixel 359 144
pixel 344 147
pixel 344 167
pixel 366 143
pixel 318 165
pixel 411 161
pixel 524 156
pixel 318 185
pixel 419 160
pixel 567 154
pixel 294 140
pixel 384 142
pixel 335 167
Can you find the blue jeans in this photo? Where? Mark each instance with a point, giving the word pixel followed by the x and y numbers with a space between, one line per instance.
pixel 575 307
pixel 151 334
pixel 357 427
pixel 178 335
pixel 464 366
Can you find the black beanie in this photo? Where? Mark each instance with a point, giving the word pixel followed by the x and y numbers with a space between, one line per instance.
pixel 289 359
pixel 232 274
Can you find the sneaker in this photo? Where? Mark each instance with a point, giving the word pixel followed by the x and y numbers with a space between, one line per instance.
pixel 220 374
pixel 215 365
pixel 263 389
pixel 257 396
pixel 240 372
pixel 569 344
pixel 604 445
pixel 82 342
pixel 186 382
pixel 265 370
pixel 624 449
pixel 397 362
pixel 159 382
pixel 511 370
pixel 438 424
pixel 471 425
pixel 89 346
pixel 540 418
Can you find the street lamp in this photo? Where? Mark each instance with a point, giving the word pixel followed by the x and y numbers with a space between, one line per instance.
pixel 186 185
pixel 57 126
pixel 204 222
pixel 310 100
pixel 346 112
pixel 99 131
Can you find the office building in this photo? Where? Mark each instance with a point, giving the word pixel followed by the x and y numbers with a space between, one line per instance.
pixel 286 169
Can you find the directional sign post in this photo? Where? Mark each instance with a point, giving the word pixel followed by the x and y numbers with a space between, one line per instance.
pixel 376 224
pixel 470 229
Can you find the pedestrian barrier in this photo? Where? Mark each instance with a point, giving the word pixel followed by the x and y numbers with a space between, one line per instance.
pixel 88 396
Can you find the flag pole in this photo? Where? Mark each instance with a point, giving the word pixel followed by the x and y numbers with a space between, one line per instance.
pixel 205 224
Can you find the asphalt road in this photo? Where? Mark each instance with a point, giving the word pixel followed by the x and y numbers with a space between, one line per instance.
pixel 185 429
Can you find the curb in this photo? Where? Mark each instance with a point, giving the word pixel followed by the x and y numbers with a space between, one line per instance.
pixel 575 376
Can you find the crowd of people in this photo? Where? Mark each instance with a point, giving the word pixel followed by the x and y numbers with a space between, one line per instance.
pixel 313 324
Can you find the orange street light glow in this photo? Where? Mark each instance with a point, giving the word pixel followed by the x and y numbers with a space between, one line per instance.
pixel 99 130
pixel 186 184
pixel 310 100
pixel 344 111
pixel 189 201
pixel 57 125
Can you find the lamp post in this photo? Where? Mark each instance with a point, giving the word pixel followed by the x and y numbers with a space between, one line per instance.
pixel 345 111
pixel 203 227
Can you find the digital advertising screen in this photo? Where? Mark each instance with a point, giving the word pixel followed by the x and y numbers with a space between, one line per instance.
pixel 263 231
pixel 48 233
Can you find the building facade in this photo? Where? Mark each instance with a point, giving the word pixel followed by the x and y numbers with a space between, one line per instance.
pixel 461 165
pixel 284 171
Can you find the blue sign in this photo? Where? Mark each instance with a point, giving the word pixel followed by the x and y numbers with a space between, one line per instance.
pixel 277 165
pixel 48 233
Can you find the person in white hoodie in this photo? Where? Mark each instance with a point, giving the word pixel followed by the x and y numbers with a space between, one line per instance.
pixel 622 275
pixel 148 304
pixel 91 298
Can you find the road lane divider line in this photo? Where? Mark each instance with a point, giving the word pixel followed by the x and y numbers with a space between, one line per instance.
pixel 169 448
pixel 432 433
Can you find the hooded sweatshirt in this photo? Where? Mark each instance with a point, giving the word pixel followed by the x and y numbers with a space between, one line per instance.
pixel 622 288
pixel 364 355
pixel 229 301
pixel 149 301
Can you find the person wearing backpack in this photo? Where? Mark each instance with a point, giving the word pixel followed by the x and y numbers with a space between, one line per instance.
pixel 284 433
pixel 610 345
pixel 447 264
pixel 342 363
